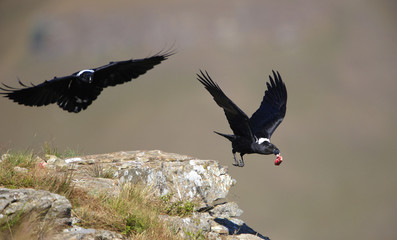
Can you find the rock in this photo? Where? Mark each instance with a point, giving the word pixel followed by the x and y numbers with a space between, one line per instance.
pixel 52 159
pixel 228 209
pixel 53 209
pixel 203 224
pixel 199 223
pixel 15 203
pixel 245 237
pixel 20 169
pixel 186 178
pixel 237 227
pixel 219 229
pixel 95 186
pixel 79 233
pixel 4 157
pixel 180 178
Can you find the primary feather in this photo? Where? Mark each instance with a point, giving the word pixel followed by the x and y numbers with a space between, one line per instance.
pixel 238 120
pixel 272 110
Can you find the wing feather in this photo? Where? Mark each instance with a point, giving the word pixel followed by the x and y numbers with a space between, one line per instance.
pixel 272 110
pixel 238 120
pixel 120 72
pixel 38 95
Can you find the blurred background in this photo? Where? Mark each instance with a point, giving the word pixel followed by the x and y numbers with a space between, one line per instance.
pixel 339 62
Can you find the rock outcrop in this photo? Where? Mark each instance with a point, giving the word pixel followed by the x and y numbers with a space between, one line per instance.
pixel 16 203
pixel 179 177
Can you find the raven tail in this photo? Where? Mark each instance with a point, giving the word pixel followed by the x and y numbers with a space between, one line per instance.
pixel 228 136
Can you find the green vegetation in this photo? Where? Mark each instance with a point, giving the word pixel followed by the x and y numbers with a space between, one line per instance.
pixel 22 170
pixel 178 208
pixel 198 235
pixel 50 149
pixel 7 225
pixel 134 212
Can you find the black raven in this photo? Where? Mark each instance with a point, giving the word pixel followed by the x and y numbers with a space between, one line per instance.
pixel 252 135
pixel 76 92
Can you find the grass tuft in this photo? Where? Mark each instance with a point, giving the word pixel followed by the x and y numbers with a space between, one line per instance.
pixel 134 212
pixel 178 208
pixel 32 175
pixel 97 170
pixel 50 149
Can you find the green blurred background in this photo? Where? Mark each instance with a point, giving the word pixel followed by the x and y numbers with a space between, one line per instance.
pixel 338 59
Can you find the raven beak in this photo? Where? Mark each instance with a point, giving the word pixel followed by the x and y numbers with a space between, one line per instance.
pixel 278 160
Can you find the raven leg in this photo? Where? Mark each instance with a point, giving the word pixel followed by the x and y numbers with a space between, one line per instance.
pixel 242 160
pixel 238 163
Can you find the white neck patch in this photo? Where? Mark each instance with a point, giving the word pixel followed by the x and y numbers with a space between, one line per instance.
pixel 261 140
pixel 83 71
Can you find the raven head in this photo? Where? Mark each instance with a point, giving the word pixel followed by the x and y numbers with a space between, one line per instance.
pixel 266 147
pixel 86 75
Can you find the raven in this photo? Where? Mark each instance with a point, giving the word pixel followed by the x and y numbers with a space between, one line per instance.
pixel 76 92
pixel 252 135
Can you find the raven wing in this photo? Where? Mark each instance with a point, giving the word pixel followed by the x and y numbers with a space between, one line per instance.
pixel 68 92
pixel 39 95
pixel 120 72
pixel 272 110
pixel 238 120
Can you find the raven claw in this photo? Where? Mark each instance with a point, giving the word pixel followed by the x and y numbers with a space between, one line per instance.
pixel 239 164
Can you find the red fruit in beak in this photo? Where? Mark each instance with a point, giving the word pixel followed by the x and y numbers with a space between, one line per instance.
pixel 278 160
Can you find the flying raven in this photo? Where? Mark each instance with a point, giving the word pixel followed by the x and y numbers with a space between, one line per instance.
pixel 252 135
pixel 76 92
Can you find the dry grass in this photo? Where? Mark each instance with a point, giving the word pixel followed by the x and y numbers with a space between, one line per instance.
pixel 98 170
pixel 22 170
pixel 133 213
pixel 31 226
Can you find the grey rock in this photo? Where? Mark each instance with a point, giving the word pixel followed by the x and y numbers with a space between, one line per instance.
pixel 199 223
pixel 20 169
pixel 186 178
pixel 4 157
pixel 245 237
pixel 96 186
pixel 52 159
pixel 20 202
pixel 225 210
pixel 219 229
pixel 79 233
pixel 237 227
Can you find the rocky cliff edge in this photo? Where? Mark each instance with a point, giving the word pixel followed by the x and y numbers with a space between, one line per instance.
pixel 179 177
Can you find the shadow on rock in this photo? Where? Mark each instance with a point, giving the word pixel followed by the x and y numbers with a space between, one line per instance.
pixel 237 227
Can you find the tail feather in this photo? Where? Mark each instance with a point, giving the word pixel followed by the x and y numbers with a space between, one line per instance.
pixel 231 137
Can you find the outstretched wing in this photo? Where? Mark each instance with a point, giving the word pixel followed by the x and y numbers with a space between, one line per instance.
pixel 38 95
pixel 69 92
pixel 238 120
pixel 272 109
pixel 123 71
